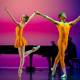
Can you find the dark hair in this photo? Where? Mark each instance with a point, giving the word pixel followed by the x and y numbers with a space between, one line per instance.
pixel 26 18
pixel 60 14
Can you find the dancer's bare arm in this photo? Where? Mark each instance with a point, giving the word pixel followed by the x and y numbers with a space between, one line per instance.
pixel 13 18
pixel 75 21
pixel 47 17
pixel 32 15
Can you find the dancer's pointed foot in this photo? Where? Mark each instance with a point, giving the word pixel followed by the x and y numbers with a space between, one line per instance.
pixel 36 48
pixel 53 71
pixel 31 51
pixel 64 76
pixel 19 72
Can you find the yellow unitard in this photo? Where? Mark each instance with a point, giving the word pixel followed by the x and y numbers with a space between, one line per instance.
pixel 63 29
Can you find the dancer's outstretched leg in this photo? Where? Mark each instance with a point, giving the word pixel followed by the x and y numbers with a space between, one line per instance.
pixel 31 51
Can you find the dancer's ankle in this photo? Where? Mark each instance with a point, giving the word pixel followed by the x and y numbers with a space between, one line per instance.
pixel 64 76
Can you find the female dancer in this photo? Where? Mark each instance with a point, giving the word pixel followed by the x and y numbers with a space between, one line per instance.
pixel 63 28
pixel 20 42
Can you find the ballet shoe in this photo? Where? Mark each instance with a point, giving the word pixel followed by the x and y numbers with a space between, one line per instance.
pixel 19 72
pixel 35 48
pixel 51 69
pixel 64 76
pixel 53 72
pixel 31 51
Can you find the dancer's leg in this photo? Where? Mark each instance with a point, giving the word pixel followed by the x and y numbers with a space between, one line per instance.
pixel 32 50
pixel 62 58
pixel 55 64
pixel 21 55
pixel 57 59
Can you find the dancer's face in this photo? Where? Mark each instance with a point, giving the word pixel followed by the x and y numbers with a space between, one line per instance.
pixel 62 17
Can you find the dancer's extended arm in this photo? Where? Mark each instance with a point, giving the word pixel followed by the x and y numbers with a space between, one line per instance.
pixel 32 15
pixel 13 18
pixel 75 21
pixel 47 17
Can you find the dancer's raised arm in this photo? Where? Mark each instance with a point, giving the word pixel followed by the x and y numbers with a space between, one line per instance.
pixel 75 21
pixel 13 18
pixel 47 17
pixel 32 15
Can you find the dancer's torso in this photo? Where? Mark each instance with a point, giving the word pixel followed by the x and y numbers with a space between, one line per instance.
pixel 19 31
pixel 20 40
pixel 63 29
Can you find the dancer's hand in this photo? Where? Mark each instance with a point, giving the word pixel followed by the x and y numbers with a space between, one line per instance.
pixel 37 12
pixel 11 16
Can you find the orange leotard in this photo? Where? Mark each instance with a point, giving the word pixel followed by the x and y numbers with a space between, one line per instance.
pixel 63 29
pixel 20 40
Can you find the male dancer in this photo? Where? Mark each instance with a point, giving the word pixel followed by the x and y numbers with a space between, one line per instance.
pixel 63 28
